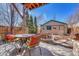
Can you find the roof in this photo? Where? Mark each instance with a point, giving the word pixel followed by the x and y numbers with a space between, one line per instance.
pixel 54 21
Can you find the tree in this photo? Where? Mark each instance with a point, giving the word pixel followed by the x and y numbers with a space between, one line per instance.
pixel 73 20
pixel 35 24
pixel 31 25
pixel 9 16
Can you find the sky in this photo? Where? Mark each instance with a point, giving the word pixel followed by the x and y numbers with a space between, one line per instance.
pixel 50 11
pixel 54 11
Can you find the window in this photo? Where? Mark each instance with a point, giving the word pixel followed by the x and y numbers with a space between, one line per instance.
pixel 48 27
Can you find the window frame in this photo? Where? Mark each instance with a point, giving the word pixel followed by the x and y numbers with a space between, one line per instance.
pixel 48 27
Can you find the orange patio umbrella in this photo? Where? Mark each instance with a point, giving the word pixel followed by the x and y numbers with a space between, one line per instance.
pixel 31 6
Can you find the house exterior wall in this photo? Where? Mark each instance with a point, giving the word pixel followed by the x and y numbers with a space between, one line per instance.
pixel 56 28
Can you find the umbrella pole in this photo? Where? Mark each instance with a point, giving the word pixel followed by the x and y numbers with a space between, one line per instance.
pixel 40 50
pixel 29 52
